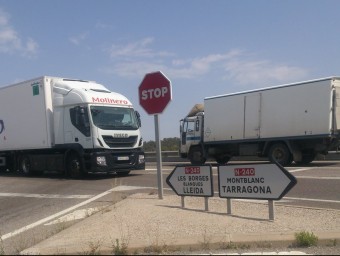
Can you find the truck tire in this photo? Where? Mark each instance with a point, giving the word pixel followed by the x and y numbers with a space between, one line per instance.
pixel 307 158
pixel 196 156
pixel 73 166
pixel 280 153
pixel 222 159
pixel 25 165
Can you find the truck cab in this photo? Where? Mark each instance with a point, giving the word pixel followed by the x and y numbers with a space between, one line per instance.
pixel 191 132
pixel 98 124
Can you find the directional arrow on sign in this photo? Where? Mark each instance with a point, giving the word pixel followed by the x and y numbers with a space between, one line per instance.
pixel 188 180
pixel 257 181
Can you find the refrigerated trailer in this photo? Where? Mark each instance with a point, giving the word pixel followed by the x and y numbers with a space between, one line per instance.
pixel 70 126
pixel 292 122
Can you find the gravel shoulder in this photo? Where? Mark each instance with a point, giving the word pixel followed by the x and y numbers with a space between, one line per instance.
pixel 143 222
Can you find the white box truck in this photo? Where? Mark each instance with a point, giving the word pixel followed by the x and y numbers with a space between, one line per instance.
pixel 71 126
pixel 292 122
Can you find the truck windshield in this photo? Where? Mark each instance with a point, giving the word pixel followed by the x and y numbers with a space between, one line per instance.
pixel 114 118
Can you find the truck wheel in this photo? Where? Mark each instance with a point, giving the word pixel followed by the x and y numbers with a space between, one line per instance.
pixel 73 166
pixel 306 158
pixel 25 165
pixel 196 156
pixel 280 153
pixel 222 159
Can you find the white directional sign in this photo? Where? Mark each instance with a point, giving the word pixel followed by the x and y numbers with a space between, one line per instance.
pixel 257 181
pixel 190 180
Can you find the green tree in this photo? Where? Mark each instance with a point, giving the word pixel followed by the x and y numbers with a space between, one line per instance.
pixel 167 144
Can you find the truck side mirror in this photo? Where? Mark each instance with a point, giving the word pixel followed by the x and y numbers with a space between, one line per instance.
pixel 197 125
pixel 139 121
pixel 80 116
pixel 183 132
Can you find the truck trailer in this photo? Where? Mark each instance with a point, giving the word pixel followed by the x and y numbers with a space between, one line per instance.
pixel 286 123
pixel 69 126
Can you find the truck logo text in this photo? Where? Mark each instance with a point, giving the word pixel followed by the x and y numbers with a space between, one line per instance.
pixel 121 135
pixel 109 100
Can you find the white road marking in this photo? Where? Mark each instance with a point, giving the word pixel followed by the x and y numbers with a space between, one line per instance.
pixel 317 178
pixel 300 170
pixel 313 200
pixel 42 221
pixel 163 169
pixel 61 213
pixel 76 215
pixel 45 196
pixel 126 188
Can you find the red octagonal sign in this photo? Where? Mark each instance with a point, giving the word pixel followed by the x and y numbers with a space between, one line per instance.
pixel 155 92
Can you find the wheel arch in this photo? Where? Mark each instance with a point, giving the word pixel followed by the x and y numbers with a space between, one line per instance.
pixel 268 145
pixel 194 148
pixel 199 145
pixel 71 151
pixel 281 151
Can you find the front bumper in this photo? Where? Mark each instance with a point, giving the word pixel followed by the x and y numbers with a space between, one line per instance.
pixel 115 161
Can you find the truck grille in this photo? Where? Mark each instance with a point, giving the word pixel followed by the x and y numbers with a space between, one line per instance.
pixel 120 142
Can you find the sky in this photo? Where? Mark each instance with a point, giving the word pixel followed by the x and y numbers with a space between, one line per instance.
pixel 204 47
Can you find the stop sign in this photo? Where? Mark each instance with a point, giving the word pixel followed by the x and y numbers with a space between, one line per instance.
pixel 155 92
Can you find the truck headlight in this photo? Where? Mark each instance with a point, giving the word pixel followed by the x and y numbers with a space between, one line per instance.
pixel 141 159
pixel 101 160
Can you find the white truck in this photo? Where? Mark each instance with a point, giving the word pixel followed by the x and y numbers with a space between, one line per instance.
pixel 292 122
pixel 70 126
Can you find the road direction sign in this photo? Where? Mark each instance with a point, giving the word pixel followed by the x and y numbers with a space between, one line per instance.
pixel 188 180
pixel 257 181
pixel 155 92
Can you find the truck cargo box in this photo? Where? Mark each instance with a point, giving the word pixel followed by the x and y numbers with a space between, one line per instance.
pixel 26 116
pixel 286 111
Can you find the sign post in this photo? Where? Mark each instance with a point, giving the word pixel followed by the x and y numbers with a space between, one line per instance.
pixel 158 158
pixel 154 95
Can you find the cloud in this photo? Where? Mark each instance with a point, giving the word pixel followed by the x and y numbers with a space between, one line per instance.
pixel 135 68
pixel 77 39
pixel 199 66
pixel 245 71
pixel 136 49
pixel 239 66
pixel 10 41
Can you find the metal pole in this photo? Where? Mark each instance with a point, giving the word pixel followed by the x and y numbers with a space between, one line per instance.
pixel 182 202
pixel 206 203
pixel 229 206
pixel 159 159
pixel 271 209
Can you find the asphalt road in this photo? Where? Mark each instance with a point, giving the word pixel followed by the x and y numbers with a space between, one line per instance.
pixel 28 205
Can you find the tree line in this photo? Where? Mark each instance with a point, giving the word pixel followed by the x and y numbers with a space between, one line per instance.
pixel 167 144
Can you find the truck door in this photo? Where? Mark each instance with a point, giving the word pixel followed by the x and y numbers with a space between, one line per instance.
pixel 77 126
pixel 190 133
pixel 252 116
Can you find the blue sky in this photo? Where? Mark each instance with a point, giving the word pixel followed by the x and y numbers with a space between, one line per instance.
pixel 205 48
